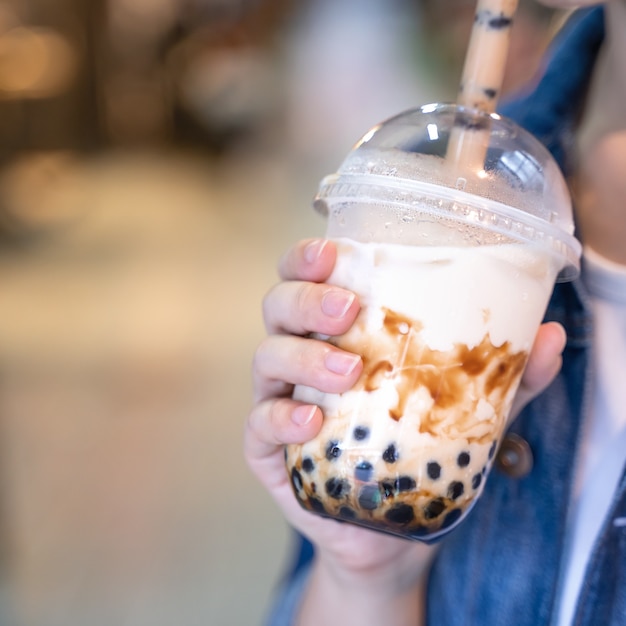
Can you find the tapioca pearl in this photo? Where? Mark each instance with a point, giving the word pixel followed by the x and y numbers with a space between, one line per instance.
pixel 337 488
pixel 400 514
pixel 369 497
pixel 316 505
pixel 455 489
pixel 346 512
pixel 476 480
pixel 420 532
pixel 492 449
pixel 453 516
pixel 433 469
pixel 388 489
pixel 404 483
pixel 308 465
pixel 434 508
pixel 361 433
pixel 390 455
pixel 296 479
pixel 333 451
pixel 363 471
pixel 463 460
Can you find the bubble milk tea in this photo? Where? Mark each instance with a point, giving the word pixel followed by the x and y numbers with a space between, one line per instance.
pixel 453 284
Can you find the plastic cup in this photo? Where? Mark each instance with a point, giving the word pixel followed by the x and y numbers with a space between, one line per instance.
pixel 454 269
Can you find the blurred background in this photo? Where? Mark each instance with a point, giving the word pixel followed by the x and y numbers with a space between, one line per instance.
pixel 156 158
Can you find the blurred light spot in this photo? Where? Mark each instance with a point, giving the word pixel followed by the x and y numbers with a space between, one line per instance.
pixel 226 89
pixel 35 63
pixel 42 190
pixel 144 18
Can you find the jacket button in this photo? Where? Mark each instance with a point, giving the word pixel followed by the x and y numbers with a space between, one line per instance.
pixel 515 458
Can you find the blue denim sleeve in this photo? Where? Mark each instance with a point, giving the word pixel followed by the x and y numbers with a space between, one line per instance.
pixel 289 598
pixel 551 110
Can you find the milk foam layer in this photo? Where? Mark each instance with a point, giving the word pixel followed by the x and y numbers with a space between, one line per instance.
pixel 444 334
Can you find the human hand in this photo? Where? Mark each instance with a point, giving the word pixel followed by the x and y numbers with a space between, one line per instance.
pixel 544 363
pixel 301 304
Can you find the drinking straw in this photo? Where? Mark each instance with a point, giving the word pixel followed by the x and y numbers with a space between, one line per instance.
pixel 482 79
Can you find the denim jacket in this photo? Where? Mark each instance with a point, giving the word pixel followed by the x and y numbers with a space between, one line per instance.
pixel 502 565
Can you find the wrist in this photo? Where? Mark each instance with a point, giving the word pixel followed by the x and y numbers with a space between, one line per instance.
pixel 391 591
pixel 386 578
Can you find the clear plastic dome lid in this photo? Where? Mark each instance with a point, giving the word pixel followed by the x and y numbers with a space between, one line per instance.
pixel 503 181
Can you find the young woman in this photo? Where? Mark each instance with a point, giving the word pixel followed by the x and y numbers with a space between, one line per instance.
pixel 546 544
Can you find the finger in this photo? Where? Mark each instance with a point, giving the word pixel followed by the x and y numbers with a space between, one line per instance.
pixel 270 425
pixel 274 423
pixel 310 259
pixel 304 307
pixel 545 357
pixel 543 365
pixel 282 361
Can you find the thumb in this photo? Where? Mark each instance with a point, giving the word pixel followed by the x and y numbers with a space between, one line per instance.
pixel 544 363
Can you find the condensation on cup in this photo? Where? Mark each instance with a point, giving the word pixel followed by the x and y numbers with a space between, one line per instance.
pixel 454 267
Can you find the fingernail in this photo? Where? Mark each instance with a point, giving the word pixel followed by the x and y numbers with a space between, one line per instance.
pixel 341 362
pixel 302 415
pixel 314 249
pixel 336 302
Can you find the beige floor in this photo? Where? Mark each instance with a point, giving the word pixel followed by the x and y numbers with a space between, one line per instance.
pixel 130 307
pixel 129 313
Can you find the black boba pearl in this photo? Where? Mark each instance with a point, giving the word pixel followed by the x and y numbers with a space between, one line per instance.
pixel 401 514
pixel 296 479
pixel 451 517
pixel 337 488
pixel 363 471
pixel 434 508
pixel 388 489
pixel 476 480
pixel 347 513
pixel 419 533
pixel 463 459
pixel 308 465
pixel 316 505
pixel 390 455
pixel 492 450
pixel 361 433
pixel 333 451
pixel 455 489
pixel 434 470
pixel 369 497
pixel 404 483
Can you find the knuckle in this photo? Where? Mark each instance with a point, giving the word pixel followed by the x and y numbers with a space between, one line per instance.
pixel 289 262
pixel 260 355
pixel 267 304
pixel 265 422
pixel 302 295
pixel 255 418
